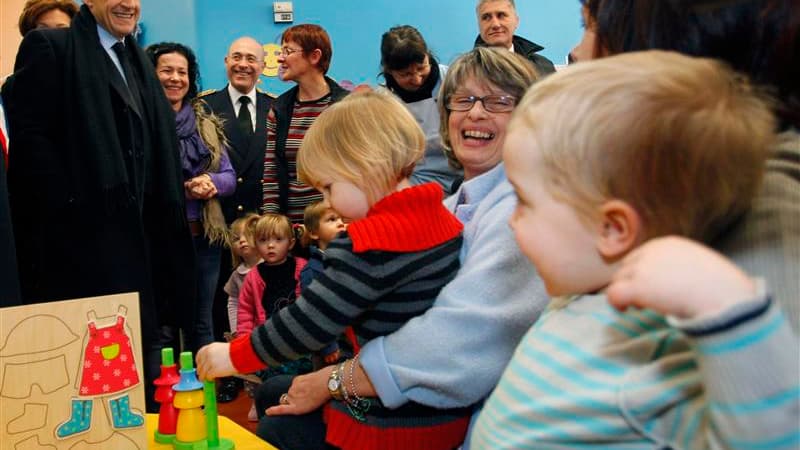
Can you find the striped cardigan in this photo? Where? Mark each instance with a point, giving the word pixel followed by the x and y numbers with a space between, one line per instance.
pixel 384 270
pixel 587 376
pixel 287 123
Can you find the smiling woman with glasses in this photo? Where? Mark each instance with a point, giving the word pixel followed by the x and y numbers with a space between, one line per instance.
pixel 413 74
pixel 480 315
pixel 304 59
pixel 492 103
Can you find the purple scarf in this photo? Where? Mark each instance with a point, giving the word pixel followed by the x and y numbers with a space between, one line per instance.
pixel 195 156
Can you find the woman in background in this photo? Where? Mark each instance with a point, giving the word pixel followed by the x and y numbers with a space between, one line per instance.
pixel 305 58
pixel 46 14
pixel 207 174
pixel 453 354
pixel 413 74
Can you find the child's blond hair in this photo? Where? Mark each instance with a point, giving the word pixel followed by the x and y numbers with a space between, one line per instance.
pixel 247 225
pixel 368 139
pixel 270 224
pixel 681 139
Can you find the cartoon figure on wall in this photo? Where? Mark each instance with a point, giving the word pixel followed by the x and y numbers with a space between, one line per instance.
pixel 108 372
pixel 271 65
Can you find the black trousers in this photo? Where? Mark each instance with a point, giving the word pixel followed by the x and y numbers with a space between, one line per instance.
pixel 306 432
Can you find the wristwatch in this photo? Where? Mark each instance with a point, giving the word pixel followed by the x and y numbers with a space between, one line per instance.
pixel 335 384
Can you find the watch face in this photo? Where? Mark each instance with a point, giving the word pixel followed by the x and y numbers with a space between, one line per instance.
pixel 333 385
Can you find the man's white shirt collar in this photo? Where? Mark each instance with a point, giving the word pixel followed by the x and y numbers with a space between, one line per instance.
pixel 235 95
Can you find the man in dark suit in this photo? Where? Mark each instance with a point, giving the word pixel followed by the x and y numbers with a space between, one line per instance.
pixel 247 133
pixel 497 22
pixel 244 112
pixel 94 179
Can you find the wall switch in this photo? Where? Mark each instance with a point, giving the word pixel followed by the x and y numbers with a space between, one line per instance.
pixel 282 7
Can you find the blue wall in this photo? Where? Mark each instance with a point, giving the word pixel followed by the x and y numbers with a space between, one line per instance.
pixel 449 27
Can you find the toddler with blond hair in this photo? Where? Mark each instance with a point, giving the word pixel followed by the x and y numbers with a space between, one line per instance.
pixel 625 168
pixel 400 248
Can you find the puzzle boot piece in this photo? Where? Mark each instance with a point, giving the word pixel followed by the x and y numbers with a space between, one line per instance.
pixel 80 420
pixel 121 414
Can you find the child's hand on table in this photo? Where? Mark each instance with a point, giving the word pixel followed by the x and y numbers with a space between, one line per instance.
pixel 214 361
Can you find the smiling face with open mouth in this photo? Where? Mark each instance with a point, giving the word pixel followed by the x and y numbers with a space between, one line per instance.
pixel 244 64
pixel 118 17
pixel 172 70
pixel 477 135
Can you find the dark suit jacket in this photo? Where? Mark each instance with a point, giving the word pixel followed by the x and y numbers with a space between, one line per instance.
pixel 70 241
pixel 247 155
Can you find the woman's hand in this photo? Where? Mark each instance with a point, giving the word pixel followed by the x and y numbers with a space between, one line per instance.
pixel 679 277
pixel 200 187
pixel 214 361
pixel 307 393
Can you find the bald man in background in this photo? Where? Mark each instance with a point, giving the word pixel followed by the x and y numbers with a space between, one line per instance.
pixel 244 112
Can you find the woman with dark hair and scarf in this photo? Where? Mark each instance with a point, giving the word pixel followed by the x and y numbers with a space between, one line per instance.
pixel 413 74
pixel 207 174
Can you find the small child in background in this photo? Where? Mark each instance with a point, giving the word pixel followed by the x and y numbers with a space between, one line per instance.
pixel 273 285
pixel 651 340
pixel 321 225
pixel 401 246
pixel 245 256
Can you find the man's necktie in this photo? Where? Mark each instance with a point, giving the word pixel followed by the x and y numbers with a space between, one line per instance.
pixel 245 122
pixel 127 70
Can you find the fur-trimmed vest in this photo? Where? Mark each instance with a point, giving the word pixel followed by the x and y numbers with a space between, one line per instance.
pixel 210 128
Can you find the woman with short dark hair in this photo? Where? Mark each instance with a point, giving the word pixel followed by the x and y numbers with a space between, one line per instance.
pixel 46 14
pixel 414 75
pixel 305 57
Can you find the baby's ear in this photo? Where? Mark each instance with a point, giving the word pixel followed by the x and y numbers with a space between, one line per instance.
pixel 620 229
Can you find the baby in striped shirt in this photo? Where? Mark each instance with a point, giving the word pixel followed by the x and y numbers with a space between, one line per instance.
pixel 400 248
pixel 624 167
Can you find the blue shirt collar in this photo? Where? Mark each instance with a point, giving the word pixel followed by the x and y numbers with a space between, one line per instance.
pixel 107 40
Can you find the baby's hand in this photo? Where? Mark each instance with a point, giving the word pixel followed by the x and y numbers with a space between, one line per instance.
pixel 332 357
pixel 214 361
pixel 679 277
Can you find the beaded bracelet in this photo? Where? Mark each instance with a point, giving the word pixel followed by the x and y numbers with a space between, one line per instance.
pixel 357 405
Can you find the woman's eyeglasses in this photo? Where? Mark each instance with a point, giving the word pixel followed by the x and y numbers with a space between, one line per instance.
pixel 287 51
pixel 492 103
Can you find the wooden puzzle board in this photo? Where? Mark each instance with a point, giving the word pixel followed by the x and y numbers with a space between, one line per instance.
pixel 47 354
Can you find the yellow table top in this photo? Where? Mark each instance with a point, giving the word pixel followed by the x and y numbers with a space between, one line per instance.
pixel 229 429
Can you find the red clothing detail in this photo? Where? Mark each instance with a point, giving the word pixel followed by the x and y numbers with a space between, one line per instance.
pixel 4 146
pixel 409 213
pixel 251 311
pixel 108 364
pixel 243 356
pixel 347 433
